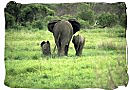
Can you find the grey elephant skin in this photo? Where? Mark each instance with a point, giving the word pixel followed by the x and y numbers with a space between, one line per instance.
pixel 78 42
pixel 63 31
pixel 46 49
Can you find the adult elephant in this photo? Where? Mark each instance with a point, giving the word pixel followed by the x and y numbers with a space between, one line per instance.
pixel 62 31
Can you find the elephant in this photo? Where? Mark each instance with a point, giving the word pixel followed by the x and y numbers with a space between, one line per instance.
pixel 46 49
pixel 78 42
pixel 63 31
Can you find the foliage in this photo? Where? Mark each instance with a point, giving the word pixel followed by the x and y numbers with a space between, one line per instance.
pixel 107 20
pixel 66 17
pixel 13 9
pixel 22 14
pixel 50 11
pixel 27 13
pixel 84 24
pixel 50 18
pixel 38 24
pixel 10 20
pixel 87 14
pixel 123 20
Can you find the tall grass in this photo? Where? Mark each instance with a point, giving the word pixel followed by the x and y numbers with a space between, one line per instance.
pixel 111 45
pixel 102 64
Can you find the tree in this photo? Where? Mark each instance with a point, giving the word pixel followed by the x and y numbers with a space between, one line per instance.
pixel 13 9
pixel 10 20
pixel 86 13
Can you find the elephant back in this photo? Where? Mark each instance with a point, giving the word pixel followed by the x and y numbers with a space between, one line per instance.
pixel 63 28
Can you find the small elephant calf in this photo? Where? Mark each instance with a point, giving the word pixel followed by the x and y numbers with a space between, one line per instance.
pixel 78 42
pixel 46 49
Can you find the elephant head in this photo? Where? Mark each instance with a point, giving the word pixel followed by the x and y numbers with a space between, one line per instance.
pixel 78 42
pixel 62 31
pixel 46 50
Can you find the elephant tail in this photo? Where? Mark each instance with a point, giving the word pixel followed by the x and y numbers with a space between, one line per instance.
pixel 54 49
pixel 59 43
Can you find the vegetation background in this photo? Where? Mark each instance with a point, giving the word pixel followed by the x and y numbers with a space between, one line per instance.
pixel 102 65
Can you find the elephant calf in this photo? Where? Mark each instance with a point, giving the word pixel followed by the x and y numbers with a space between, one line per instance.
pixel 78 42
pixel 46 50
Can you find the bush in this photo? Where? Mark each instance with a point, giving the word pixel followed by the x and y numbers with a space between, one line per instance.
pixel 87 15
pixel 66 17
pixel 123 20
pixel 50 11
pixel 49 18
pixel 38 24
pixel 84 24
pixel 107 20
pixel 18 27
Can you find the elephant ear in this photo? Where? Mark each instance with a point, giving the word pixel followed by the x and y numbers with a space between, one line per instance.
pixel 43 43
pixel 75 24
pixel 51 25
pixel 48 42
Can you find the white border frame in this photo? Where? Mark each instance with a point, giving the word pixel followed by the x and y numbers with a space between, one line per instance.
pixel 2 35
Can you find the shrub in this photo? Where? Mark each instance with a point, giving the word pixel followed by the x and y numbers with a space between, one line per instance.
pixel 29 25
pixel 38 24
pixel 16 27
pixel 84 24
pixel 66 17
pixel 49 18
pixel 107 20
pixel 87 15
pixel 50 11
pixel 123 20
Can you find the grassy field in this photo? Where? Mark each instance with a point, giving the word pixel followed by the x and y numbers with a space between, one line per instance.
pixel 102 65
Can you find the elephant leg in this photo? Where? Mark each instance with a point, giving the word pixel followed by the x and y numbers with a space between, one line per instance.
pixel 61 48
pixel 80 52
pixel 61 51
pixel 58 47
pixel 66 49
pixel 77 52
pixel 80 49
pixel 76 49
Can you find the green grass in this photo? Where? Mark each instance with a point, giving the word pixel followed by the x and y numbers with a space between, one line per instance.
pixel 103 63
